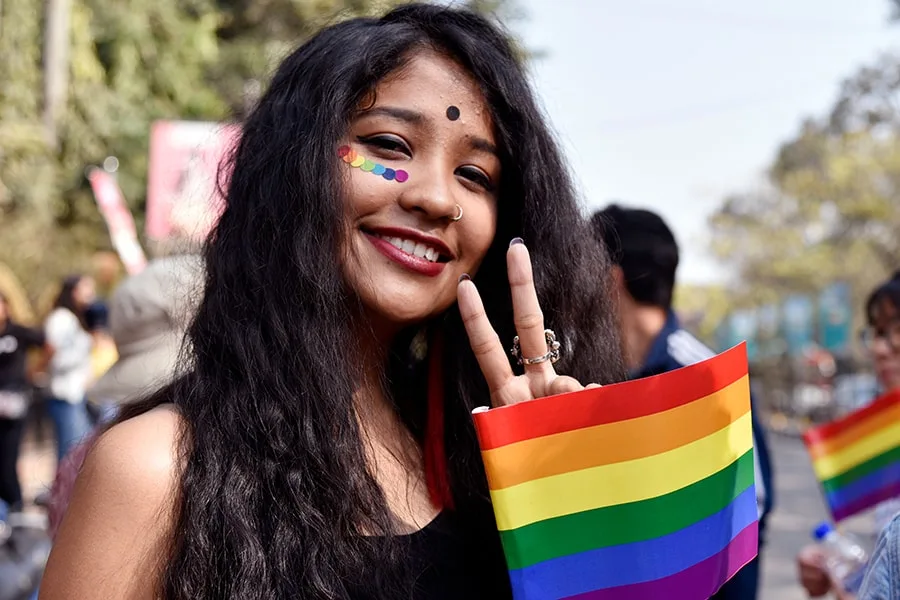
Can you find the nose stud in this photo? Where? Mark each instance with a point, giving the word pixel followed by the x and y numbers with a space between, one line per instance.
pixel 459 213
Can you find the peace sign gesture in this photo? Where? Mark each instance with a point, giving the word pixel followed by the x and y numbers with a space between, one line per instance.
pixel 540 378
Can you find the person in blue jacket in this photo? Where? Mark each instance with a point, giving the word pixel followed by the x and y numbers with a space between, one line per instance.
pixel 645 253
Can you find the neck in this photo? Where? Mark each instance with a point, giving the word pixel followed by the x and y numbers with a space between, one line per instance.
pixel 640 327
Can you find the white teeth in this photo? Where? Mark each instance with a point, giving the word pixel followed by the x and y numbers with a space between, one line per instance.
pixel 411 247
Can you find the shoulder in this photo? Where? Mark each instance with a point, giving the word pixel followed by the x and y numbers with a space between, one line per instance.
pixel 120 518
pixel 141 450
pixel 685 349
pixel 60 318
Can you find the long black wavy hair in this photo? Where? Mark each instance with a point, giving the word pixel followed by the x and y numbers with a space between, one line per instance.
pixel 275 489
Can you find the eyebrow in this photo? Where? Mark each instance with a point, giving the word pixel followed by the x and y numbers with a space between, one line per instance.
pixel 416 118
pixel 484 146
pixel 401 114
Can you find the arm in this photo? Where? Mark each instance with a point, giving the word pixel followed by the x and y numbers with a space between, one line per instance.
pixel 114 538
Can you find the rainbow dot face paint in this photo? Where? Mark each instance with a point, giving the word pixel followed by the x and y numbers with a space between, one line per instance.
pixel 349 156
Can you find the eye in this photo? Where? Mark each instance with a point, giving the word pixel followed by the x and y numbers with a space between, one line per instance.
pixel 387 143
pixel 476 176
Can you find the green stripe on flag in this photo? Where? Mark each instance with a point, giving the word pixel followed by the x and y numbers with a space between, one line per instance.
pixel 627 523
pixel 861 470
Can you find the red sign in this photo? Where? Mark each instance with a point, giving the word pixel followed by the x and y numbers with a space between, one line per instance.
pixel 182 196
pixel 118 219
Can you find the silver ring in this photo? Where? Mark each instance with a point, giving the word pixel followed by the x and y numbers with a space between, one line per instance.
pixel 553 350
pixel 459 213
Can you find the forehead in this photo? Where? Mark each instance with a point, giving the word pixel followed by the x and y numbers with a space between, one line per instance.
pixel 430 83
pixel 883 310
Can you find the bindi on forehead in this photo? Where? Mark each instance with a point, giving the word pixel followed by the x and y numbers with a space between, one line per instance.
pixel 452 113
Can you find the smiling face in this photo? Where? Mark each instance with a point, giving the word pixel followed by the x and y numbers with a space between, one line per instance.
pixel 405 251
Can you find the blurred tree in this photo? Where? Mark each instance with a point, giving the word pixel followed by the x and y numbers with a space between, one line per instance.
pixel 129 62
pixel 829 207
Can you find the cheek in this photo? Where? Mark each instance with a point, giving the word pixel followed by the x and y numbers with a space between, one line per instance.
pixel 365 192
pixel 478 233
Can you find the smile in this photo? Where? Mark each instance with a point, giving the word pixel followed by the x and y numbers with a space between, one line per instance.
pixel 417 249
pixel 411 249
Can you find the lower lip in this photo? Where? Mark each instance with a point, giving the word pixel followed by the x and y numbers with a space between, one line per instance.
pixel 413 263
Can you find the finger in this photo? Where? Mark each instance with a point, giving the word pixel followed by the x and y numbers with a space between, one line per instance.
pixel 482 338
pixel 527 313
pixel 563 385
pixel 592 386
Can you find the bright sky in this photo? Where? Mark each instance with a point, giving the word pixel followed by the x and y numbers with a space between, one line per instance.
pixel 673 105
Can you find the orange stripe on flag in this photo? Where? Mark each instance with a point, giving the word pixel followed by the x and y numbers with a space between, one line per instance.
pixel 616 442
pixel 872 425
pixel 630 400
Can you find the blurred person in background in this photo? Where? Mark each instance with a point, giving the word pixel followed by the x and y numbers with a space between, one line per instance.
pixel 70 369
pixel 103 352
pixel 881 338
pixel 15 343
pixel 645 253
pixel 148 317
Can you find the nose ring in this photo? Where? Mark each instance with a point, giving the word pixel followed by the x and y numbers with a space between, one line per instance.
pixel 459 213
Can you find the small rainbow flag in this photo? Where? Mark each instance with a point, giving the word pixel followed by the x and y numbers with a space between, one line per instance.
pixel 636 491
pixel 857 457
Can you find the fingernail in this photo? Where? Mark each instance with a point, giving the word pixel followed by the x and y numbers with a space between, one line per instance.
pixel 464 277
pixel 515 241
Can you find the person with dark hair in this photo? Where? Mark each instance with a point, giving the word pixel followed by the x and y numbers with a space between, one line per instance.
pixel 15 342
pixel 881 338
pixel 318 442
pixel 645 254
pixel 70 368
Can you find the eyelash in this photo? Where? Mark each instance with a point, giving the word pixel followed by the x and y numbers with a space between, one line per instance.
pixel 385 143
pixel 476 177
pixel 390 144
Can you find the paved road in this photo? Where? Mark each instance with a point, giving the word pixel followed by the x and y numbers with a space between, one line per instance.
pixel 799 508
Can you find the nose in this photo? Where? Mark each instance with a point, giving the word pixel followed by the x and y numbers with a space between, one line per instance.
pixel 428 191
pixel 881 348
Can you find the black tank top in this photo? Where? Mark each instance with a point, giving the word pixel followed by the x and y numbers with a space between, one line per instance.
pixel 452 559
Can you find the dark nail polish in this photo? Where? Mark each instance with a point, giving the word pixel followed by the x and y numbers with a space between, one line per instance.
pixel 464 277
pixel 515 241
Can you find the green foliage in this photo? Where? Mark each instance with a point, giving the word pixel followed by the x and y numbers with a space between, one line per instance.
pixel 829 209
pixel 130 62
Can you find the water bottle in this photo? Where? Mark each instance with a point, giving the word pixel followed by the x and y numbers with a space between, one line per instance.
pixel 845 559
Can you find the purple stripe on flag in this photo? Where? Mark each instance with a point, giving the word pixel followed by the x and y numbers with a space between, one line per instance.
pixel 698 582
pixel 864 486
pixel 861 504
pixel 637 562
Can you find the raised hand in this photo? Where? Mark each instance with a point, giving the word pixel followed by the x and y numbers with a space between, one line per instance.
pixel 539 379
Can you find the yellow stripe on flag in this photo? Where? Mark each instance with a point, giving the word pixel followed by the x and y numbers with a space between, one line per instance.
pixel 623 482
pixel 621 441
pixel 827 467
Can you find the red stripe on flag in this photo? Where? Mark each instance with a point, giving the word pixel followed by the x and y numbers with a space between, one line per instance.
pixel 621 401
pixel 830 430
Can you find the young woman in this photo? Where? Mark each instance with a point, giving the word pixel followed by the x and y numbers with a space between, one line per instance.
pixel 320 443
pixel 882 339
pixel 15 342
pixel 70 369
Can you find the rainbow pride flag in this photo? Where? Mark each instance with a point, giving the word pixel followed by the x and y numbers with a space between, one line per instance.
pixel 635 491
pixel 857 457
